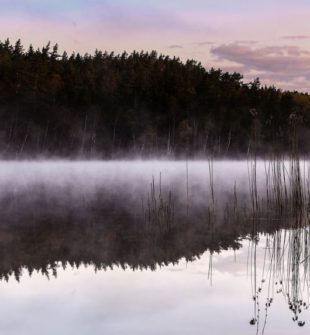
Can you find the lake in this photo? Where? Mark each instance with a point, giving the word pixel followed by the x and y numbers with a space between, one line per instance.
pixel 154 247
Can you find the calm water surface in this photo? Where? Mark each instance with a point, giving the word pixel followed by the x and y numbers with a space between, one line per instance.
pixel 144 248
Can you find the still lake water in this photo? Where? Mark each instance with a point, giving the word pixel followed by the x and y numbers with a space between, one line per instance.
pixel 151 247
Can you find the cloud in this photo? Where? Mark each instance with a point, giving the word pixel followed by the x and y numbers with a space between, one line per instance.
pixel 246 42
pixel 201 44
pixel 287 65
pixel 267 59
pixel 175 46
pixel 296 37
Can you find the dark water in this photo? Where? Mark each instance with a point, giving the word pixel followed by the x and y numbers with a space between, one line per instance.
pixel 154 248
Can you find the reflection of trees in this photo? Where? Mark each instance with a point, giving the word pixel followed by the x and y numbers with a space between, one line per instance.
pixel 107 233
pixel 43 245
pixel 42 231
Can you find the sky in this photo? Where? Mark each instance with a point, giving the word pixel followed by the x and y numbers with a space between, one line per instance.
pixel 269 39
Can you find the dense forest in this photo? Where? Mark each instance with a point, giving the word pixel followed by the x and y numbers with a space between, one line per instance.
pixel 107 105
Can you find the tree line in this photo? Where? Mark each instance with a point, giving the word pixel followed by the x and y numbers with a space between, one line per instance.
pixel 107 105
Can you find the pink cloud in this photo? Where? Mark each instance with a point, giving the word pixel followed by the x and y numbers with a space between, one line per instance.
pixel 287 66
pixel 296 37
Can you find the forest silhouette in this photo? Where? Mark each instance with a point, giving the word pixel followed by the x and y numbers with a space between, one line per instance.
pixel 144 103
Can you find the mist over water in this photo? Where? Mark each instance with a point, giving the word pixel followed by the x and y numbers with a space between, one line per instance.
pixel 66 182
pixel 163 247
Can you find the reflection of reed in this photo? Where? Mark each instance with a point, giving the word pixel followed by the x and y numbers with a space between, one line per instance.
pixel 285 271
pixel 160 209
pixel 211 179
pixel 286 190
pixel 283 215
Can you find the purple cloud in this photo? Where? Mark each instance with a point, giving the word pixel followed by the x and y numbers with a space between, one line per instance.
pixel 287 65
pixel 267 59
pixel 175 46
pixel 296 37
pixel 201 44
pixel 246 42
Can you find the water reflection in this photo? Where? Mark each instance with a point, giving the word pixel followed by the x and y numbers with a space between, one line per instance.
pixel 285 272
pixel 65 216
